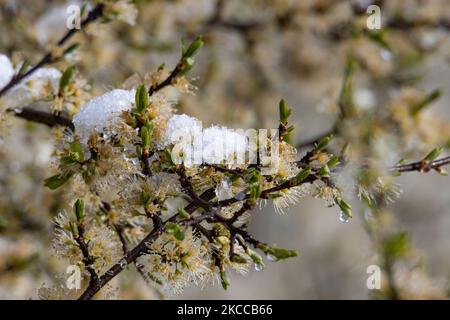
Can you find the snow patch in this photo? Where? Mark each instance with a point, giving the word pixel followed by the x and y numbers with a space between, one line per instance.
pixel 102 112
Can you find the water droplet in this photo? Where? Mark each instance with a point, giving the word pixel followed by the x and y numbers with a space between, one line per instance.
pixel 259 267
pixel 271 257
pixel 240 196
pixel 343 217
pixel 223 190
pixel 386 54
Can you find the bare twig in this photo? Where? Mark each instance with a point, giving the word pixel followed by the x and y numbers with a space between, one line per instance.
pixel 422 166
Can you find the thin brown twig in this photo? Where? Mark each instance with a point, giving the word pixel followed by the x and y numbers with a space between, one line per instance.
pixel 168 81
pixel 422 166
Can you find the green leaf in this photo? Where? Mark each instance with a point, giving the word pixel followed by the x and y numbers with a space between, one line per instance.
pixel 345 102
pixel 238 258
pixel 139 151
pixel 161 67
pixel 257 259
pixel 71 158
pixel 302 175
pixel 333 162
pixel 278 253
pixel 434 95
pixel 179 235
pixel 168 163
pixel 324 171
pixel 253 175
pixel 345 207
pixel 77 149
pixel 145 198
pixel 436 152
pixel 75 155
pixel 285 111
pixel 78 208
pixel 73 229
pixel 58 180
pixel 71 48
pixel 175 230
pixel 225 280
pixel 323 143
pixel 379 37
pixel 255 191
pixel 24 67
pixel 141 99
pixel 65 78
pixel 182 214
pixel 171 227
pixel 193 48
pixel 187 60
pixel 145 136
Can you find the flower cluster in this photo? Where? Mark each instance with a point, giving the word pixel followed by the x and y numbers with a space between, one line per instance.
pixel 195 214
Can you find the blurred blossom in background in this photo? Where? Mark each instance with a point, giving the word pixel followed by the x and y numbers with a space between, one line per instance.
pixel 256 52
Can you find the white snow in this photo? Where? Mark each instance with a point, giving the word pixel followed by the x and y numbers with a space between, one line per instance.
pixel 180 125
pixel 6 70
pixel 212 145
pixel 222 144
pixel 102 112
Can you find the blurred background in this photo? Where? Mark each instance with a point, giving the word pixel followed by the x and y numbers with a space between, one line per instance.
pixel 256 52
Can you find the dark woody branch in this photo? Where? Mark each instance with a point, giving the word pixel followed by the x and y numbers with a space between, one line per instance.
pixel 48 118
pixel 88 260
pixel 130 257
